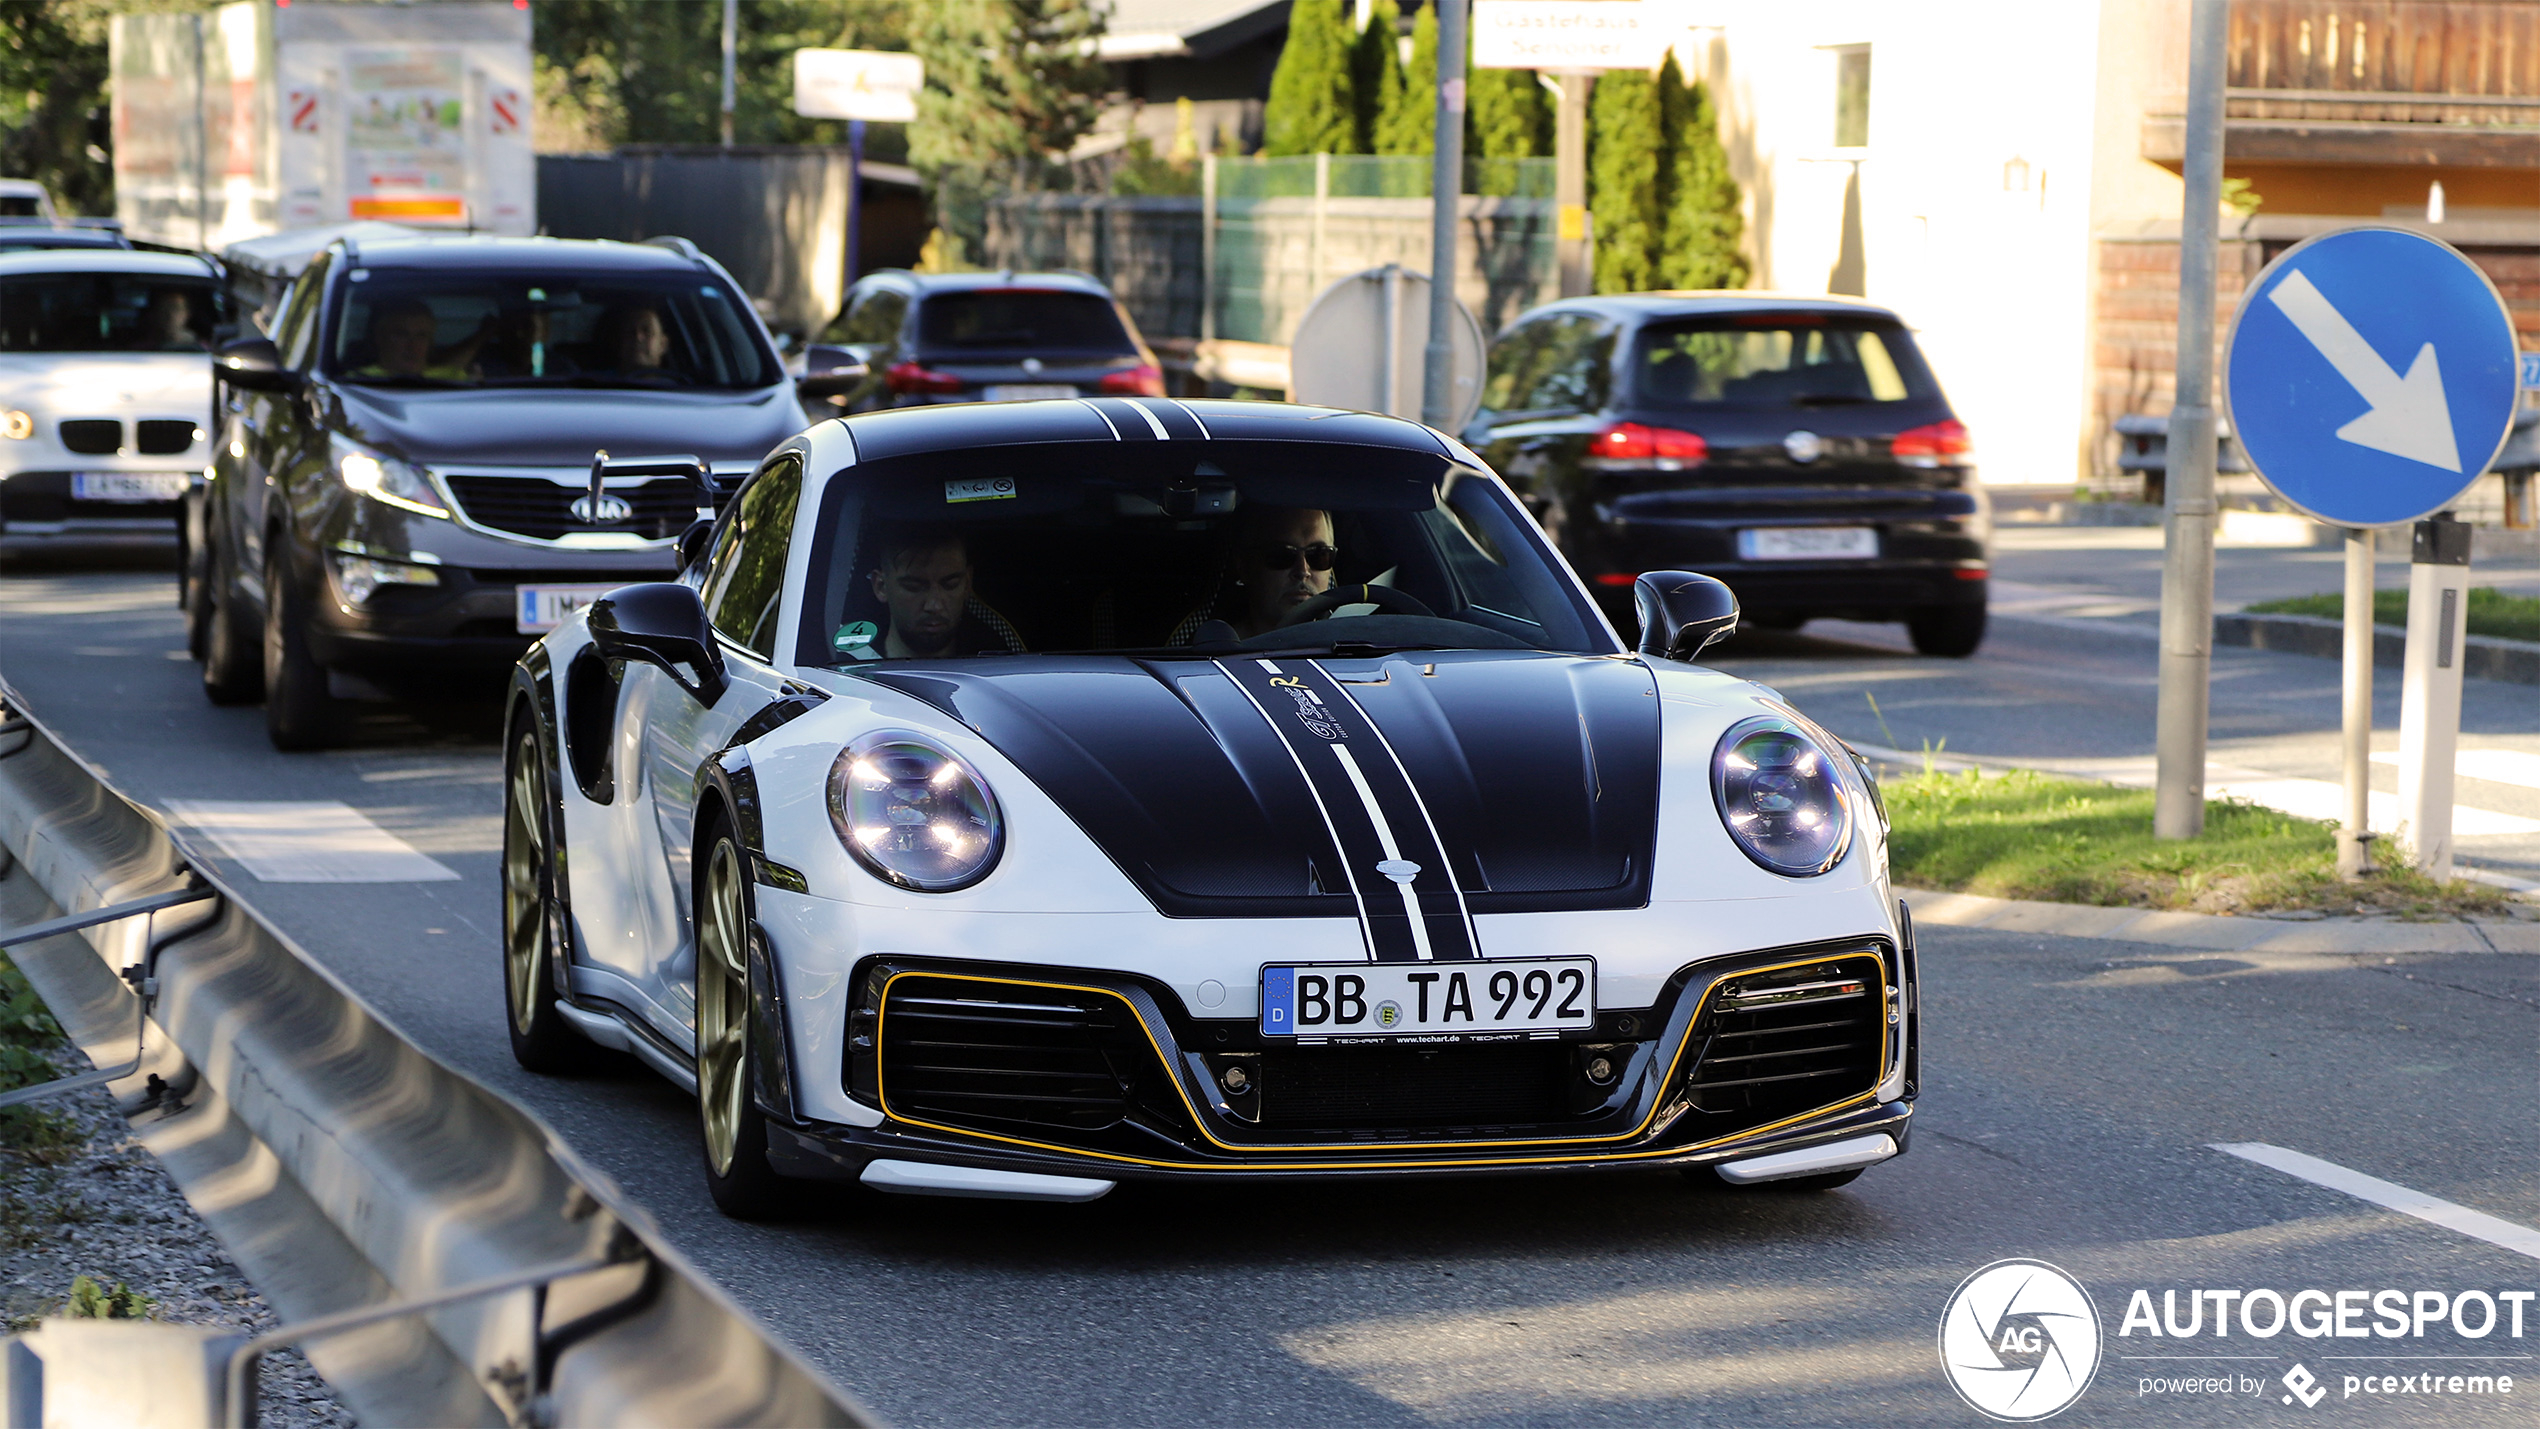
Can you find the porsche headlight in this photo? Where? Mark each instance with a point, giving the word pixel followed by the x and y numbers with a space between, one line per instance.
pixel 384 478
pixel 914 814
pixel 1782 797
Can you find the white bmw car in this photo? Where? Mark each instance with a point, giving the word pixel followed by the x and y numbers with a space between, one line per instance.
pixel 105 388
pixel 1009 800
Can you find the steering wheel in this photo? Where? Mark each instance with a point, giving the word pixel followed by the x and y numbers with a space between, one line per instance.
pixel 1384 597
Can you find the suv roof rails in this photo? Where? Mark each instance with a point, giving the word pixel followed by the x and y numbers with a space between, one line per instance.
pixel 676 244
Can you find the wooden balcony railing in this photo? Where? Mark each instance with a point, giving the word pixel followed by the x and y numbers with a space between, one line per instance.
pixel 2446 62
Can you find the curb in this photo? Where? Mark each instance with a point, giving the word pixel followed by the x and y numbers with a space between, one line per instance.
pixel 2208 932
pixel 2486 657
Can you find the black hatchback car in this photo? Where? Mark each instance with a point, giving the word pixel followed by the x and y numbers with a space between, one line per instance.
pixel 1798 449
pixel 925 338
pixel 404 493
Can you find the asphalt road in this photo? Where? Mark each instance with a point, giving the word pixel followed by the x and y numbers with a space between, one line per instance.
pixel 2072 1091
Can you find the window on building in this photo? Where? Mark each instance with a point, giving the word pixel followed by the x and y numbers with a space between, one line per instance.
pixel 1852 97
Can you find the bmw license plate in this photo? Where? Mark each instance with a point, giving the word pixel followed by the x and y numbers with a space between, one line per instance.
pixel 1808 543
pixel 1441 1001
pixel 544 607
pixel 1025 391
pixel 135 486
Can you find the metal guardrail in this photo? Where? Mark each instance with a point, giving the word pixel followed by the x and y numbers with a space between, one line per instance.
pixel 445 1256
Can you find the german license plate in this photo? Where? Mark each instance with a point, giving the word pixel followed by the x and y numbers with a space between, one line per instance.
pixel 1531 997
pixel 1807 543
pixel 1025 391
pixel 127 485
pixel 544 607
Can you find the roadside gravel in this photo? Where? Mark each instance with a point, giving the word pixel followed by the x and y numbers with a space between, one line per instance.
pixel 99 1205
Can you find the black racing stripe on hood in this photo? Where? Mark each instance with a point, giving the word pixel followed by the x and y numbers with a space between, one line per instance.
pixel 1539 773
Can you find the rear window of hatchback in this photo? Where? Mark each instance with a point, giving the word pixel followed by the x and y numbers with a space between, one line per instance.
pixel 1777 360
pixel 1027 320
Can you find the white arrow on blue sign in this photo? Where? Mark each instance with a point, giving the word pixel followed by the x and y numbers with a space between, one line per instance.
pixel 2372 375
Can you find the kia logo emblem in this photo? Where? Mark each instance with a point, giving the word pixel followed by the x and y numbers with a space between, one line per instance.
pixel 606 511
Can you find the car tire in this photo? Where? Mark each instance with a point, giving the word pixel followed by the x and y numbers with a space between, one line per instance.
pixel 1794 1185
pixel 233 667
pixel 734 1130
pixel 1950 631
pixel 533 925
pixel 299 712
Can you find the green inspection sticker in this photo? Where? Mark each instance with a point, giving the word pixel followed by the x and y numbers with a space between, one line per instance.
pixel 855 635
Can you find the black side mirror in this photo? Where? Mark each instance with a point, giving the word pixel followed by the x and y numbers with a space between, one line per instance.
pixel 662 624
pixel 255 364
pixel 1682 614
pixel 831 371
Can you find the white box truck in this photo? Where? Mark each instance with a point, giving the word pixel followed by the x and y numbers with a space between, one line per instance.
pixel 266 116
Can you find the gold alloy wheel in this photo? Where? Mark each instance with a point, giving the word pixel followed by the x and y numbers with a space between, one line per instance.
pixel 723 1004
pixel 525 886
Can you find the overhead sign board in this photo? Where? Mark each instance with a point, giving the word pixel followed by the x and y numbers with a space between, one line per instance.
pixel 879 85
pixel 2372 375
pixel 1573 34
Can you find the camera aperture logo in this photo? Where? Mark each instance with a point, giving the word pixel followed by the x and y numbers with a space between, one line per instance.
pixel 2019 1340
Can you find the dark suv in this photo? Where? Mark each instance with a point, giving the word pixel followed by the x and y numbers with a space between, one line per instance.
pixel 1796 448
pixel 988 337
pixel 404 493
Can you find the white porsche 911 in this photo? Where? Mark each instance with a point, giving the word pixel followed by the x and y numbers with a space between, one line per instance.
pixel 1013 799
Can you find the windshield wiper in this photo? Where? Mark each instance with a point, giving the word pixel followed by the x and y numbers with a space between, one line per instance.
pixel 1826 399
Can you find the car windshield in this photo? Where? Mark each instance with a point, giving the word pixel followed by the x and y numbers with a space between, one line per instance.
pixel 1777 360
pixel 553 329
pixel 1038 320
pixel 1154 550
pixel 107 312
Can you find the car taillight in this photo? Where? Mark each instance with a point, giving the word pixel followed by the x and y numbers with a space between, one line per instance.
pixel 1664 447
pixel 911 377
pixel 1928 446
pixel 1142 381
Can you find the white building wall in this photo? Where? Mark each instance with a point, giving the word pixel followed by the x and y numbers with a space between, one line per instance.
pixel 1993 276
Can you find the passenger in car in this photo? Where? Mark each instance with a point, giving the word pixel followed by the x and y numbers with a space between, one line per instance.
pixel 167 325
pixel 401 333
pixel 635 339
pixel 1283 558
pixel 923 579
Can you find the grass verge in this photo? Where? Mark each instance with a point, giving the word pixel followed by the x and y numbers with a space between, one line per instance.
pixel 2491 611
pixel 2023 834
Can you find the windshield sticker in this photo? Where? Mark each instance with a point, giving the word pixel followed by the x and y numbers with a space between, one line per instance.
pixel 996 488
pixel 855 636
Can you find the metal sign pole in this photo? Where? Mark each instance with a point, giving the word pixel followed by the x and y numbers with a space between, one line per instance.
pixel 1569 184
pixel 2354 839
pixel 1446 189
pixel 2187 576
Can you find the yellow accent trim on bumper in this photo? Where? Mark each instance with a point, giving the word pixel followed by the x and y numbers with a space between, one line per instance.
pixel 1199 1119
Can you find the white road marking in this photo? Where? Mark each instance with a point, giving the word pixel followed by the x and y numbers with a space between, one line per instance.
pixel 320 841
pixel 2478 1225
pixel 2496 766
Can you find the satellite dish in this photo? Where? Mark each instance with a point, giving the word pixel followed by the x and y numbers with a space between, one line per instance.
pixel 1364 344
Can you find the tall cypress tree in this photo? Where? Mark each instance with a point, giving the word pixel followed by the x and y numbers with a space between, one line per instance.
pixel 1701 225
pixel 1510 115
pixel 1376 60
pixel 1410 124
pixel 1624 153
pixel 1313 105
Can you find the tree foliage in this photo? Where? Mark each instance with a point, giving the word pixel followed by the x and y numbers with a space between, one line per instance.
pixel 1011 85
pixel 613 72
pixel 53 106
pixel 1313 106
pixel 1625 147
pixel 1510 115
pixel 1405 121
pixel 1702 225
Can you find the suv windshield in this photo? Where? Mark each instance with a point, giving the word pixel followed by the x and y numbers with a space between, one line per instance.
pixel 1038 319
pixel 107 312
pixel 558 329
pixel 1259 547
pixel 1777 360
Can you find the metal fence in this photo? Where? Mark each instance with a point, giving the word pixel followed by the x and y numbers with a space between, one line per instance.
pixel 1242 261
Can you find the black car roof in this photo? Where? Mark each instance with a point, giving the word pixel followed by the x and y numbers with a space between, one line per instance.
pixel 912 431
pixel 480 251
pixel 1648 307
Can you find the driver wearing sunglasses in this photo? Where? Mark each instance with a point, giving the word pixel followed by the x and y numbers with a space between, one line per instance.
pixel 1284 558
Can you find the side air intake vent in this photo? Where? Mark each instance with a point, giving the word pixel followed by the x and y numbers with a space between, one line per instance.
pixel 998 1056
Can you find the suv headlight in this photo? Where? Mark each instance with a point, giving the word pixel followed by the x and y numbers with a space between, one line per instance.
pixel 913 813
pixel 385 478
pixel 1782 796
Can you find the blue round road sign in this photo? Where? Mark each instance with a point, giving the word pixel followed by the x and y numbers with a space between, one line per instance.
pixel 2372 375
